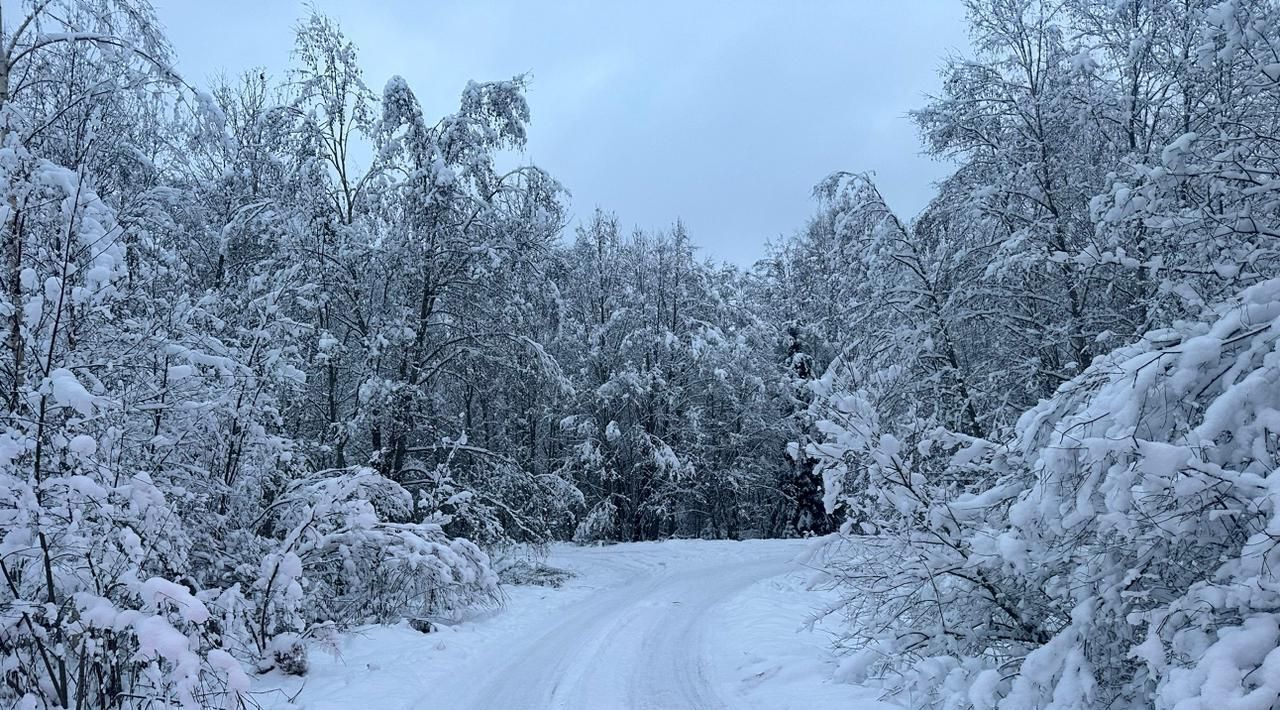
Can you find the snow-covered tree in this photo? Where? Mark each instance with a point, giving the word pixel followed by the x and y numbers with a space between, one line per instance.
pixel 1110 548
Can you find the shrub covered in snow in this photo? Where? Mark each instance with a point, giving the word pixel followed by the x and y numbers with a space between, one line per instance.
pixel 160 529
pixel 1117 550
pixel 1113 546
pixel 341 557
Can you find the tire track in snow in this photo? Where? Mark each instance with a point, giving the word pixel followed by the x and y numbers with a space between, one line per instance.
pixel 638 644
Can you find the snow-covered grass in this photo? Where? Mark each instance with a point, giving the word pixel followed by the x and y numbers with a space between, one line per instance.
pixel 772 658
pixel 677 624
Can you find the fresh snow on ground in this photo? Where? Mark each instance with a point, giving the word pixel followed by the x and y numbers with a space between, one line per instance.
pixel 684 624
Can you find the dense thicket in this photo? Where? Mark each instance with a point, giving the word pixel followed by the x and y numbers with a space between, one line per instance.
pixel 288 355
pixel 1052 432
pixel 291 354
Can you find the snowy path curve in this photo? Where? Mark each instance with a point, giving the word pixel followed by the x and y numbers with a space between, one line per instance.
pixel 676 625
pixel 639 644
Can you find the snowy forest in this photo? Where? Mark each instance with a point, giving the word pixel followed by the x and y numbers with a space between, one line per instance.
pixel 289 354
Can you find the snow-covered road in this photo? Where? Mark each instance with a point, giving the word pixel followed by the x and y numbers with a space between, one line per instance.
pixel 679 625
pixel 639 643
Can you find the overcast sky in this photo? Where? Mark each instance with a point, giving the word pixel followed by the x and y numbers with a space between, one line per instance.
pixel 722 113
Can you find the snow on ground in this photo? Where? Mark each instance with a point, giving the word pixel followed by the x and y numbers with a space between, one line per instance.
pixel 680 625
pixel 770 661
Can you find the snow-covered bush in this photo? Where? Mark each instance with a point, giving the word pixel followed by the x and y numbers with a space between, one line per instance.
pixel 1115 546
pixel 160 531
pixel 84 618
pixel 491 499
pixel 288 654
pixel 529 570
pixel 1118 551
pixel 92 548
pixel 598 524
pixel 347 552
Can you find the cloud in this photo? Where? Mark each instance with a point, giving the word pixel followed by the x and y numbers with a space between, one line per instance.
pixel 724 114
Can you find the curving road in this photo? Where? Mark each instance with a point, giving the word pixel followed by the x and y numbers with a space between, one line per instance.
pixel 637 643
pixel 676 625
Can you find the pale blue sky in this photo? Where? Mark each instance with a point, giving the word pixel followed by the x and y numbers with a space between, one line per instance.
pixel 722 113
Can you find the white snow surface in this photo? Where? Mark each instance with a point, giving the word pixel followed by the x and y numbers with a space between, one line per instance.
pixel 679 625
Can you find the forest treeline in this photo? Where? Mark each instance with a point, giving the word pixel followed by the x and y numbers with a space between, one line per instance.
pixel 289 354
pixel 1051 429
pixel 284 355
